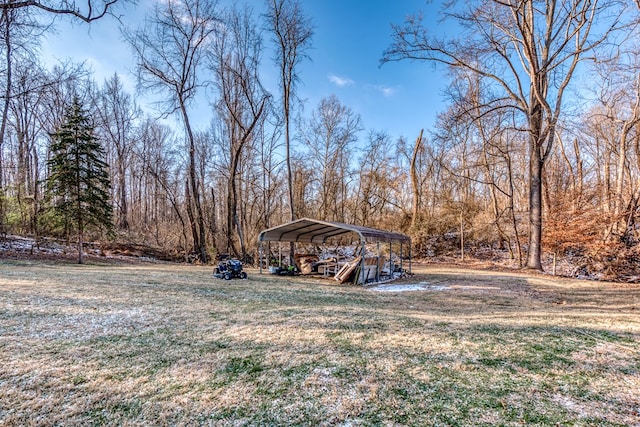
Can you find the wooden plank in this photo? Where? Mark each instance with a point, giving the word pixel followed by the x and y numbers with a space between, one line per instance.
pixel 346 270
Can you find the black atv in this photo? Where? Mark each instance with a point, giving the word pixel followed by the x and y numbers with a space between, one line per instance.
pixel 228 269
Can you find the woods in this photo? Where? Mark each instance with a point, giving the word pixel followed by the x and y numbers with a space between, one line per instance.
pixel 536 155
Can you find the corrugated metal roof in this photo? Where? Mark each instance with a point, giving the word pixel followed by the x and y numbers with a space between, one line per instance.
pixel 308 230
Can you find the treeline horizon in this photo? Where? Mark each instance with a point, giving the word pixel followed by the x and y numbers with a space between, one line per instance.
pixel 524 160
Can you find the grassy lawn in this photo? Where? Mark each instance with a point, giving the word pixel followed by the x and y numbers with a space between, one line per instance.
pixel 170 345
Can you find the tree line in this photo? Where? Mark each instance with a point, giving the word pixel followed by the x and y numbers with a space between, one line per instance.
pixel 537 152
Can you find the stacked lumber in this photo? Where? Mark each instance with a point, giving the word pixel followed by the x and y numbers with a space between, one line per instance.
pixel 344 274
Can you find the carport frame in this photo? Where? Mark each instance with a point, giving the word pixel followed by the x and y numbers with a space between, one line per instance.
pixel 307 230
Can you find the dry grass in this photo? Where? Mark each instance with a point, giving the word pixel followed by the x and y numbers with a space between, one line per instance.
pixel 170 345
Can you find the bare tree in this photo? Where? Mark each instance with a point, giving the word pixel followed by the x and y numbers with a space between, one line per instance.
pixel 292 32
pixel 169 52
pixel 491 136
pixel 117 115
pixel 235 59
pixel 619 99
pixel 18 32
pixel 8 19
pixel 529 50
pixel 377 172
pixel 415 182
pixel 329 136
pixel 271 167
pixel 26 127
pixel 155 189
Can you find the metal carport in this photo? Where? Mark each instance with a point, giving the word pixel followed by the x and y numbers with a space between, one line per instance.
pixel 308 230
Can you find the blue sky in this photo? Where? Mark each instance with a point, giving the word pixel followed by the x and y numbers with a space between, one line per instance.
pixel 350 36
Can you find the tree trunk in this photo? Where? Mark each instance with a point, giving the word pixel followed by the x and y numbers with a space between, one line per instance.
pixel 192 220
pixel 414 181
pixel 292 213
pixel 80 244
pixel 213 227
pixel 512 211
pixel 534 255
pixel 5 111
pixel 200 243
pixel 124 218
pixel 231 215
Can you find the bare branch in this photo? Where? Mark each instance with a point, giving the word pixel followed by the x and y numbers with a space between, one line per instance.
pixel 67 8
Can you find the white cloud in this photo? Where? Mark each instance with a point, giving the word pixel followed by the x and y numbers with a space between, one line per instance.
pixel 386 90
pixel 340 81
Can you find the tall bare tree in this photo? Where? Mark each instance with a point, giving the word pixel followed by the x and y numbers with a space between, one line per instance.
pixel 169 52
pixel 27 131
pixel 292 32
pixel 235 60
pixel 529 51
pixel 329 136
pixel 117 115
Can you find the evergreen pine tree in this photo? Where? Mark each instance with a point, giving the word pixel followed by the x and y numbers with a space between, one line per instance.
pixel 78 183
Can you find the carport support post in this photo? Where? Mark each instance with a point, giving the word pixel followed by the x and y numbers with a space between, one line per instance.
pixel 362 262
pixel 260 257
pixel 390 261
pixel 378 264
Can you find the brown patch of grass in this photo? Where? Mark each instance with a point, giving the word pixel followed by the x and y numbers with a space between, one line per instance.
pixel 165 344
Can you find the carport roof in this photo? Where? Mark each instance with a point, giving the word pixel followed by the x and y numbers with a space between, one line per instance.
pixel 315 231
